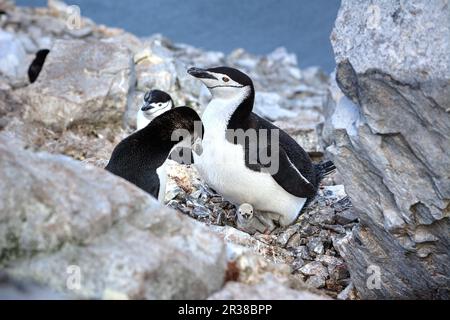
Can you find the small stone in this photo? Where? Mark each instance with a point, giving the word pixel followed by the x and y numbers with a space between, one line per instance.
pixel 329 260
pixel 196 194
pixel 347 293
pixel 316 282
pixel 315 268
pixel 346 217
pixel 174 193
pixel 303 252
pixel 336 228
pixel 342 205
pixel 216 199
pixel 294 241
pixel 298 263
pixel 338 272
pixel 286 235
pixel 200 212
pixel 422 235
pixel 325 216
pixel 309 230
pixel 316 245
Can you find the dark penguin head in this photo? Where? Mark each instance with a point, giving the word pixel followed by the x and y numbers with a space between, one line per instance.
pixel 156 102
pixel 224 82
pixel 233 89
pixel 178 124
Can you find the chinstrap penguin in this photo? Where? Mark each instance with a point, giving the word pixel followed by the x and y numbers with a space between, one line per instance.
pixel 234 168
pixel 141 157
pixel 249 221
pixel 156 102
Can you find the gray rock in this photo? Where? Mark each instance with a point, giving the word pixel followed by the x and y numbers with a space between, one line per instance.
pixel 81 82
pixel 307 136
pixel 393 161
pixel 315 245
pixel 303 252
pixel 269 105
pixel 12 289
pixel 268 290
pixel 315 268
pixel 407 39
pixel 346 293
pixel 13 58
pixel 316 282
pixel 62 219
pixel 346 217
pixel 324 216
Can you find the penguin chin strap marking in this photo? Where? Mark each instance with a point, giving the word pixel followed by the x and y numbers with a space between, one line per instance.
pixel 223 86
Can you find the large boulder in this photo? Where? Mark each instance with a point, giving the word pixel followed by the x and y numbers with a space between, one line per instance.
pixel 81 82
pixel 269 289
pixel 13 58
pixel 408 39
pixel 389 139
pixel 82 231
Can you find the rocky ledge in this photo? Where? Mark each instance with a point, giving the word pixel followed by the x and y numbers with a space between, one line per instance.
pixel 57 212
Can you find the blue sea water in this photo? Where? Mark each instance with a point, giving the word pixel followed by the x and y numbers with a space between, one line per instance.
pixel 259 26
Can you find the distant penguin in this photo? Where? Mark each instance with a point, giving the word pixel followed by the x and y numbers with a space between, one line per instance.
pixel 235 169
pixel 141 157
pixel 36 66
pixel 156 102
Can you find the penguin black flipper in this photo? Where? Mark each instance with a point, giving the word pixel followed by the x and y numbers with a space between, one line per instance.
pixel 296 173
pixel 149 182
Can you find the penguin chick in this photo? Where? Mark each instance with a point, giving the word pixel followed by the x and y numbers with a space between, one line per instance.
pixel 247 221
pixel 156 102
pixel 141 157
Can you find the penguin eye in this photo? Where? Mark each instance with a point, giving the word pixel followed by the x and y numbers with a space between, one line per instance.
pixel 225 79
pixel 160 104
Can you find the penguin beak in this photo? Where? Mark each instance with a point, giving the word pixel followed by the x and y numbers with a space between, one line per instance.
pixel 200 73
pixel 146 106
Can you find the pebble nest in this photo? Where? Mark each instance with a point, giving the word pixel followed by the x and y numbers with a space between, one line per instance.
pixel 307 246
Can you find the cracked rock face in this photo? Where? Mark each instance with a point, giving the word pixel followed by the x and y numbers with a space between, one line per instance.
pixel 408 39
pixel 57 213
pixel 388 126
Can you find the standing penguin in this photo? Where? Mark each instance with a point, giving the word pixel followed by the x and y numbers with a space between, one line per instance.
pixel 235 169
pixel 141 157
pixel 156 102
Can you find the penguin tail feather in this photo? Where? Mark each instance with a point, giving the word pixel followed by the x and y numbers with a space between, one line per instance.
pixel 324 169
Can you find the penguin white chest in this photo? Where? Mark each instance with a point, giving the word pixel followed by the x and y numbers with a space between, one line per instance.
pixel 162 175
pixel 141 120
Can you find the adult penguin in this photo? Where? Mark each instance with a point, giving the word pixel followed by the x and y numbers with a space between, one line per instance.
pixel 235 167
pixel 141 157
